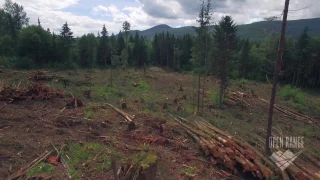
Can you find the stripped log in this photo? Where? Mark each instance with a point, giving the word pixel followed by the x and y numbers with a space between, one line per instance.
pixel 22 172
pixel 292 114
pixel 123 114
pixel 215 136
pixel 227 150
pixel 265 171
pixel 312 159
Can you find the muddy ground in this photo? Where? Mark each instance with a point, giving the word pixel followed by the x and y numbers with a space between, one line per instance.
pixel 95 133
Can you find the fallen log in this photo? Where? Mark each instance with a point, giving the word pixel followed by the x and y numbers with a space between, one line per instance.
pixel 265 170
pixel 249 154
pixel 294 115
pixel 203 127
pixel 123 114
pixel 22 172
pixel 312 159
pixel 210 126
pixel 252 154
pixel 307 171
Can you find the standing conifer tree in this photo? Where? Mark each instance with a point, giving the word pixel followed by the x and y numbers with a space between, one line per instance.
pixel 226 40
pixel 66 37
pixel 104 52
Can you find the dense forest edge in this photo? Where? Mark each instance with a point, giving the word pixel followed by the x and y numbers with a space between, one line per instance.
pixel 25 46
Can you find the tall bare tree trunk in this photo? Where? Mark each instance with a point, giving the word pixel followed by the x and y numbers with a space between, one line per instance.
pixel 223 79
pixel 298 75
pixel 111 77
pixel 276 76
pixel 223 71
pixel 199 86
pixel 193 93
pixel 203 91
pixel 294 76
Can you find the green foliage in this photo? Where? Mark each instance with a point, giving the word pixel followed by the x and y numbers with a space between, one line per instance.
pixel 87 50
pixel 124 57
pixel 23 46
pixel 294 94
pixel 144 159
pixel 6 61
pixel 307 132
pixel 243 81
pixel 85 153
pixel 143 86
pixel 65 65
pixel 115 60
pixel 41 168
pixel 24 63
pixel 7 46
pixel 104 50
pixel 189 108
pixel 13 19
pixel 34 42
pixel 102 92
pixel 214 97
pixel 189 171
pixel 17 62
pixel 89 113
pixel 243 59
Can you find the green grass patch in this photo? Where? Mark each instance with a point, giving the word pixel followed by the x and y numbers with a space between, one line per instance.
pixel 189 108
pixel 89 113
pixel 307 131
pixel 289 93
pixel 144 159
pixel 189 171
pixel 85 153
pixel 143 86
pixel 243 81
pixel 103 93
pixel 41 168
pixel 214 97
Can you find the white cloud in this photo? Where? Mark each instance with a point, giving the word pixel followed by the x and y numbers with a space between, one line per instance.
pixel 45 4
pixel 51 16
pixel 148 13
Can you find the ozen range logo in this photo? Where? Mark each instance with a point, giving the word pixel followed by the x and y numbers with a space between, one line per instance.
pixel 285 159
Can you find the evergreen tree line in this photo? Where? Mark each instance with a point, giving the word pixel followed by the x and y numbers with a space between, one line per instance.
pixel 218 52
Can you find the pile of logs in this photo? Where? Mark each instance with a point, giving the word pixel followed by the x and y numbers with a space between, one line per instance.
pixel 36 91
pixel 235 97
pixel 238 97
pixel 41 76
pixel 221 148
pixel 292 114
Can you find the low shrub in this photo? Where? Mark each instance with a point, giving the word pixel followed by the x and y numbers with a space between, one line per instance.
pixel 290 93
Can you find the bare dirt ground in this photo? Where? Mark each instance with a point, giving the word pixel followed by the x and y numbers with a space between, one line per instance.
pixel 95 133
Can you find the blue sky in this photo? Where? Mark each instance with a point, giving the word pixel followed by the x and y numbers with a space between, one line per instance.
pixel 88 16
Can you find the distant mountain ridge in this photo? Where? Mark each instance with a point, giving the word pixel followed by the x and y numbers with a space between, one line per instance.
pixel 257 30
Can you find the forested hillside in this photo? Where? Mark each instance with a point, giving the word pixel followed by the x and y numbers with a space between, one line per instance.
pixel 254 31
pixel 26 46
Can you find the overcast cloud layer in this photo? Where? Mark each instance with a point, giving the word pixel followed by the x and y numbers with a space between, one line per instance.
pixel 85 16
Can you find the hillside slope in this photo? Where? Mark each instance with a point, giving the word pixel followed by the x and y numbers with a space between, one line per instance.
pixel 257 30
